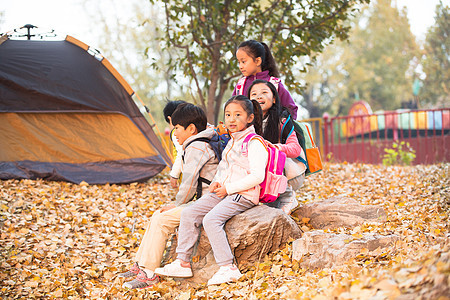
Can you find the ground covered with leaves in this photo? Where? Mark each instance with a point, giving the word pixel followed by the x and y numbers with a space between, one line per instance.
pixel 62 240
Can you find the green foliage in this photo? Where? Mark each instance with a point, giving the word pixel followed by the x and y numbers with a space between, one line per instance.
pixel 400 154
pixel 436 62
pixel 374 65
pixel 208 33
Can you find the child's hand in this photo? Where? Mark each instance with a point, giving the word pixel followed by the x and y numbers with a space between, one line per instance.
pixel 213 186
pixel 167 207
pixel 173 182
pixel 221 191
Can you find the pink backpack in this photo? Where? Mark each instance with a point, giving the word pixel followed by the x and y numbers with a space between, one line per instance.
pixel 241 83
pixel 274 182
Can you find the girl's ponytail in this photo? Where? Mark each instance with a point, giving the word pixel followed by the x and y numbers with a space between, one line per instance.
pixel 258 117
pixel 269 62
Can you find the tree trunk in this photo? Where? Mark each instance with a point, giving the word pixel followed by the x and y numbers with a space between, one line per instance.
pixel 210 109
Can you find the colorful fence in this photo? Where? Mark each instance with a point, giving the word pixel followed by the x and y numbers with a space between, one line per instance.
pixel 363 138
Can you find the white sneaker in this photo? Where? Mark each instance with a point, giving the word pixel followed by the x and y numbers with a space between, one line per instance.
pixel 174 269
pixel 225 274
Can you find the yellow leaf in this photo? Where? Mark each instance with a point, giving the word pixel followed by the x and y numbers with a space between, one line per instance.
pixel 108 275
pixel 129 214
pixel 126 229
pixel 276 270
pixel 356 281
pixel 58 293
pixel 184 296
pixel 32 283
pixel 24 230
pixel 325 282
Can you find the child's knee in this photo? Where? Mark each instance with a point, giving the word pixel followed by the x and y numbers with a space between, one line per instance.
pixel 188 213
pixel 210 220
pixel 207 221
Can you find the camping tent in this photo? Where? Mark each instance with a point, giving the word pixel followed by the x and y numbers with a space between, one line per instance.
pixel 66 114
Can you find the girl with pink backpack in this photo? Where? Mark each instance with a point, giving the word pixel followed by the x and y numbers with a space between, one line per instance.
pixel 234 189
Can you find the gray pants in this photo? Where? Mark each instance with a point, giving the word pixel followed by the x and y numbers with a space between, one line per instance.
pixel 284 199
pixel 212 212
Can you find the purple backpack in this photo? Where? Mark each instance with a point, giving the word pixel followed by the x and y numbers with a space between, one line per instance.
pixel 274 182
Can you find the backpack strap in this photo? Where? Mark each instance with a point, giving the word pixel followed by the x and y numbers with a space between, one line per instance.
pixel 200 139
pixel 287 129
pixel 247 139
pixel 240 86
pixel 201 180
pixel 275 81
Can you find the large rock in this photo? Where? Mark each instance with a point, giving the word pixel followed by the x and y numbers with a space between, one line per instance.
pixel 251 234
pixel 317 249
pixel 339 211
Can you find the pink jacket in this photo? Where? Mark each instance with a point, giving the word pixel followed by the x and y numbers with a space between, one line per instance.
pixel 241 174
pixel 291 148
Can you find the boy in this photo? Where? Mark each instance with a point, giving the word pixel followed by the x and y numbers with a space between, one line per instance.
pixel 198 166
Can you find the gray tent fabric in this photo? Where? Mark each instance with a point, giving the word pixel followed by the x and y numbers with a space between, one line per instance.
pixel 68 115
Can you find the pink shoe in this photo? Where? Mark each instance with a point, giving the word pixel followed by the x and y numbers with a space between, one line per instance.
pixel 141 281
pixel 134 271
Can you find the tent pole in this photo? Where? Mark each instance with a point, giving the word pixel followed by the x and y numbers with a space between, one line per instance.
pixel 163 141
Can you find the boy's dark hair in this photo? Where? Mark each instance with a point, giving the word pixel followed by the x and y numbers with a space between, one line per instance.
pixel 171 106
pixel 250 107
pixel 256 49
pixel 186 114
